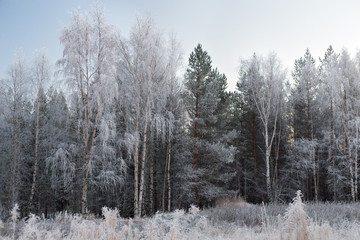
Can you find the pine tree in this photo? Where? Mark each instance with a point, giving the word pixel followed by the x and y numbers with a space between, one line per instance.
pixel 205 99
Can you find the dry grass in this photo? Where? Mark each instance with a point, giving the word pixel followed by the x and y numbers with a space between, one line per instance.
pixel 231 202
pixel 227 221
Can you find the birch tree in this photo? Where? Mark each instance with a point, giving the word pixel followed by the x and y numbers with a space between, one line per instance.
pixel 264 78
pixel 173 106
pixel 348 116
pixel 87 64
pixel 328 96
pixel 144 69
pixel 40 73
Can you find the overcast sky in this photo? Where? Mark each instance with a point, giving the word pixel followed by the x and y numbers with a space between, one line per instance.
pixel 228 30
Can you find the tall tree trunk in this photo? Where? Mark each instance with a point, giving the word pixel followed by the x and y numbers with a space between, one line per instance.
pixel 245 183
pixel 196 147
pixel 332 149
pixel 84 165
pixel 277 154
pixel 136 158
pixel 152 187
pixel 152 180
pixel 84 187
pixel 87 158
pixel 136 165
pixel 167 183
pixel 356 162
pixel 36 160
pixel 352 181
pixel 15 161
pixel 253 135
pixel 136 180
pixel 268 145
pixel 164 185
pixel 314 174
pixel 267 161
pixel 168 171
pixel 142 174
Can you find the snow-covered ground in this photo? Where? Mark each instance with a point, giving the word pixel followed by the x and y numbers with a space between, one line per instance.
pixel 296 221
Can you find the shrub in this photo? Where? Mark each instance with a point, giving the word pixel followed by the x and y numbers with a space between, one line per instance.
pixel 296 220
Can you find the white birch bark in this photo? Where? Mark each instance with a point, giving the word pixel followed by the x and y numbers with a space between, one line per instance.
pixel 265 79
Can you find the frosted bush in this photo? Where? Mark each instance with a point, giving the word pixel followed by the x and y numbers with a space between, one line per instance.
pixel 30 230
pixel 175 226
pixel 296 220
pixel 109 224
pixel 154 228
pixel 84 229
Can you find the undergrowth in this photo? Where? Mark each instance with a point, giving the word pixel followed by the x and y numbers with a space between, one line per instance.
pixel 293 222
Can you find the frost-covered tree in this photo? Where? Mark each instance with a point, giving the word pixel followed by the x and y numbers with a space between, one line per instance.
pixel 304 102
pixel 303 165
pixel 40 74
pixel 87 65
pixel 205 100
pixel 172 116
pixel 16 113
pixel 146 64
pixel 61 148
pixel 263 79
pixel 305 123
pixel 328 96
pixel 347 119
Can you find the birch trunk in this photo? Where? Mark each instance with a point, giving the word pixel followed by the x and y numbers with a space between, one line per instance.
pixel 36 160
pixel 142 174
pixel 352 183
pixel 167 182
pixel 164 186
pixel 136 180
pixel 15 161
pixel 86 160
pixel 314 173
pixel 168 174
pixel 268 106
pixel 136 162
pixel 332 149
pixel 356 162
pixel 267 162
pixel 152 186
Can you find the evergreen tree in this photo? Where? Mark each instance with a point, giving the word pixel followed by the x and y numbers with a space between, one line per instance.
pixel 62 153
pixel 211 153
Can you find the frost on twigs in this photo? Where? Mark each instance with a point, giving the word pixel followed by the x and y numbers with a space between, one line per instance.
pixel 296 220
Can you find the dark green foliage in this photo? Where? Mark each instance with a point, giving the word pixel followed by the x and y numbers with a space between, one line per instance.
pixel 207 103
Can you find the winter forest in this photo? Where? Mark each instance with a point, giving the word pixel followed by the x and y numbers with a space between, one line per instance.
pixel 127 122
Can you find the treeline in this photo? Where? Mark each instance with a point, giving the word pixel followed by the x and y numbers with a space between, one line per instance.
pixel 132 131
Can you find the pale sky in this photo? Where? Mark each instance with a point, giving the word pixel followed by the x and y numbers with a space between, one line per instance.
pixel 228 30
